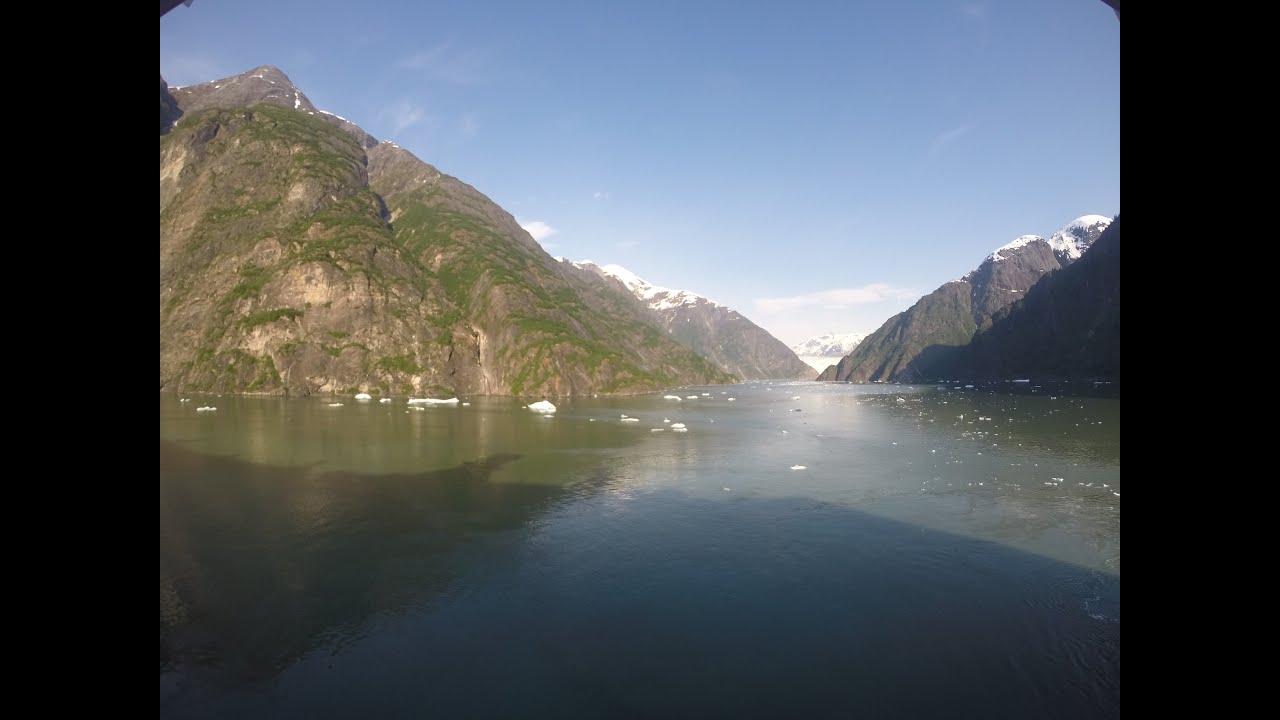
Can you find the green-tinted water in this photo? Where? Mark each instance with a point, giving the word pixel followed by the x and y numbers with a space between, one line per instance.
pixel 941 553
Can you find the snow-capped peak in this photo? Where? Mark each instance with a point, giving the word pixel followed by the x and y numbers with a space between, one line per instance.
pixel 1078 235
pixel 1071 240
pixel 1020 241
pixel 658 298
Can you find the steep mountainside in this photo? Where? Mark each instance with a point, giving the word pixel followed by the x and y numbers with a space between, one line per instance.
pixel 1066 327
pixel 823 351
pixel 952 314
pixel 299 255
pixel 715 331
pixel 169 112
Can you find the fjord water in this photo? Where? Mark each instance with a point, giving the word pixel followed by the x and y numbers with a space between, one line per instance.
pixel 943 553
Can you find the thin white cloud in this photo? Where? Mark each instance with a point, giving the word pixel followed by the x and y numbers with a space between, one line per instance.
pixel 443 62
pixel 403 115
pixel 599 195
pixel 423 58
pixel 539 230
pixel 836 299
pixel 945 138
pixel 469 126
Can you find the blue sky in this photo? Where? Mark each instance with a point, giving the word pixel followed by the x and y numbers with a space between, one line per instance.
pixel 818 166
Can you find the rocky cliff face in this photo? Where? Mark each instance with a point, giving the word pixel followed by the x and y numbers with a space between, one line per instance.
pixel 299 255
pixel 714 331
pixel 1066 327
pixel 952 314
pixel 169 112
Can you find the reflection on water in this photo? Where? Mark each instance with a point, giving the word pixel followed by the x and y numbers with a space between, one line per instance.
pixel 943 552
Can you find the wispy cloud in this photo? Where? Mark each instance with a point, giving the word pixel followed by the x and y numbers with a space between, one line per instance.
pixel 539 230
pixel 599 195
pixel 403 114
pixel 978 11
pixel 836 299
pixel 466 66
pixel 469 125
pixel 945 138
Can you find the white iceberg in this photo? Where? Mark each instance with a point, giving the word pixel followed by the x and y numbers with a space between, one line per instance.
pixel 363 396
pixel 542 406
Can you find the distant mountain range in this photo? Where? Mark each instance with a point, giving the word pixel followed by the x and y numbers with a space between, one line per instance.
pixel 950 316
pixel 715 331
pixel 300 255
pixel 823 351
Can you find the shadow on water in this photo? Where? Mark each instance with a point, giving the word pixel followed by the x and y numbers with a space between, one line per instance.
pixel 260 564
pixel 290 594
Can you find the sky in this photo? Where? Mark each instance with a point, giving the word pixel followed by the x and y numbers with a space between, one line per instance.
pixel 817 166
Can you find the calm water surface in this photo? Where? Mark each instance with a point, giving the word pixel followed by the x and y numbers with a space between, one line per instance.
pixel 942 553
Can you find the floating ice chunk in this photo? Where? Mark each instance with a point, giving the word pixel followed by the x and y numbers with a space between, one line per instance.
pixel 679 429
pixel 797 467
pixel 691 397
pixel 542 406
pixel 385 401
pixel 206 408
pixel 797 397
pixel 706 394
pixel 670 397
pixel 335 404
pixel 185 400
pixel 629 419
pixel 466 404
pixel 435 401
pixel 901 400
pixel 677 426
pixel 363 396
pixel 657 429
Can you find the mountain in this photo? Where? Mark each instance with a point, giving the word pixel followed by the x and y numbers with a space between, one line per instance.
pixel 717 332
pixel 169 112
pixel 823 351
pixel 952 314
pixel 300 255
pixel 1067 327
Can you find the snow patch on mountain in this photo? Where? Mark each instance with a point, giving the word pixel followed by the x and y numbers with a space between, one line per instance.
pixel 659 298
pixel 823 350
pixel 1071 240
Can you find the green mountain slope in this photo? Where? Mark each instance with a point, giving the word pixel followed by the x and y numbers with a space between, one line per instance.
pixel 298 255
